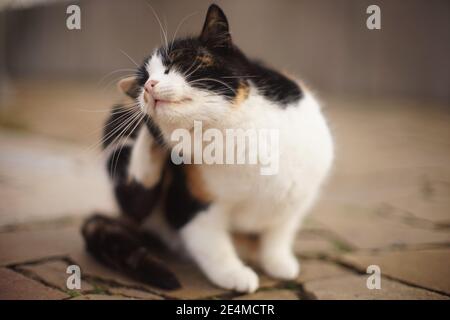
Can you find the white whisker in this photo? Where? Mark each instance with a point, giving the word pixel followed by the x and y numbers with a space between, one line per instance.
pixel 209 79
pixel 113 132
pixel 179 26
pixel 128 56
pixel 191 73
pixel 113 72
pixel 126 138
pixel 160 24
pixel 115 80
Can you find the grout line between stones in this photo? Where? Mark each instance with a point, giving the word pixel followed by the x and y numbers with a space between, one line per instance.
pixel 360 271
pixel 388 211
pixel 36 278
pixel 92 280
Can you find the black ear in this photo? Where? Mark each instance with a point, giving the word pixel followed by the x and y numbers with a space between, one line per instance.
pixel 215 33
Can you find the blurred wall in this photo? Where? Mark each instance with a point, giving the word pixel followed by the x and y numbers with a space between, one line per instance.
pixel 325 42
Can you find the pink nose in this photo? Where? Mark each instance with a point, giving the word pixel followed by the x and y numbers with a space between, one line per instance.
pixel 150 84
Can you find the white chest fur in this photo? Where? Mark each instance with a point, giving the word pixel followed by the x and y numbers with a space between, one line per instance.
pixel 255 201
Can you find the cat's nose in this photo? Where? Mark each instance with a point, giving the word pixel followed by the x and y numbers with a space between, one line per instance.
pixel 150 84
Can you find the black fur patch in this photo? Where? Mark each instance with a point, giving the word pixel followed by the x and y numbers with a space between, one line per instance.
pixel 115 125
pixel 273 85
pixel 180 205
pixel 117 164
pixel 212 62
pixel 142 74
pixel 222 69
pixel 155 131
pixel 121 247
pixel 203 68
pixel 116 122
pixel 135 200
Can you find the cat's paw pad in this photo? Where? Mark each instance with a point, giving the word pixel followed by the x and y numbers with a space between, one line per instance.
pixel 284 267
pixel 241 278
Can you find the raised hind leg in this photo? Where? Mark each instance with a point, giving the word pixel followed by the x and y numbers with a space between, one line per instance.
pixel 136 168
pixel 121 246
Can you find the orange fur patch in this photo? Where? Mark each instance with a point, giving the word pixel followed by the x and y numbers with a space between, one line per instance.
pixel 206 60
pixel 196 184
pixel 241 93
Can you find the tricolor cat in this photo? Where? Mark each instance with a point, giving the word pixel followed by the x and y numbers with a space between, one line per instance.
pixel 194 207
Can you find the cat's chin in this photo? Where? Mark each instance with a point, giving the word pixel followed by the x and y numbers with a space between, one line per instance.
pixel 151 104
pixel 164 112
pixel 159 103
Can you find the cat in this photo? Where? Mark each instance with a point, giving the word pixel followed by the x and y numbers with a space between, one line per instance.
pixel 194 207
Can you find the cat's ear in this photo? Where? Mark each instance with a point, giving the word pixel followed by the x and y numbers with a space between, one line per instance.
pixel 129 86
pixel 215 32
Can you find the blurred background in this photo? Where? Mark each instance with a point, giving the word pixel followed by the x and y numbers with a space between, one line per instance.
pixel 57 84
pixel 325 42
pixel 384 92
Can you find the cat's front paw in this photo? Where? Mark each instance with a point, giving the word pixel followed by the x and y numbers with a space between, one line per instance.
pixel 284 266
pixel 239 278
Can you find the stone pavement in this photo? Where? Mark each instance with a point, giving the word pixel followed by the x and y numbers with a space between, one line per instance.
pixel 386 204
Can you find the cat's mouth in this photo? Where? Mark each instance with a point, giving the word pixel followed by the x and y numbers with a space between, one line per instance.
pixel 161 102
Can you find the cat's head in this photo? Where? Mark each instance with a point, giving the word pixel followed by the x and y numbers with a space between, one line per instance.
pixel 195 78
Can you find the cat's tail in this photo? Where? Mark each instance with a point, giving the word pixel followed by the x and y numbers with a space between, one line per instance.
pixel 120 247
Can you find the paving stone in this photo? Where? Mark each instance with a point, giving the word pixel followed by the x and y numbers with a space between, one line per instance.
pixel 100 297
pixel 44 179
pixel 310 224
pixel 353 287
pixel 91 268
pixel 54 273
pixel 25 246
pixel 58 223
pixel 278 294
pixel 247 247
pixel 373 187
pixel 314 244
pixel 409 173
pixel 308 243
pixel 194 284
pixel 389 137
pixel 425 268
pixel 14 286
pixel 264 280
pixel 363 228
pixel 404 216
pixel 431 204
pixel 134 293
pixel 317 269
